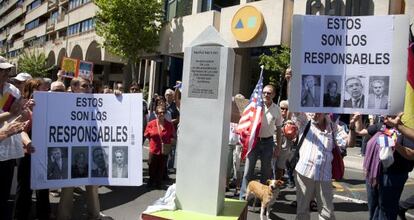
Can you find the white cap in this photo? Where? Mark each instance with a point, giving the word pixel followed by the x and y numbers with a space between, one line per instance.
pixel 4 64
pixel 23 77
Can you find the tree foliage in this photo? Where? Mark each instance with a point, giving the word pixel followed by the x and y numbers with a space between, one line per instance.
pixel 33 63
pixel 129 27
pixel 276 63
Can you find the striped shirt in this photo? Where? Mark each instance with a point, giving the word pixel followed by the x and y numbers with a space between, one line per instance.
pixel 315 161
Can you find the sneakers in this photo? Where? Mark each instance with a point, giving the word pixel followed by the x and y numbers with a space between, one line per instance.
pixel 401 213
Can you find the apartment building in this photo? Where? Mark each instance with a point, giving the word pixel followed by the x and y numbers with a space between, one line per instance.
pixel 58 28
pixel 66 28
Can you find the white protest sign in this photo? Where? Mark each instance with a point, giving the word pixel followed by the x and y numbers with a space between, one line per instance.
pixel 86 139
pixel 349 64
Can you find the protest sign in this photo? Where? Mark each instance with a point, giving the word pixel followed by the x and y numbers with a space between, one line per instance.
pixel 349 64
pixel 85 70
pixel 86 139
pixel 70 67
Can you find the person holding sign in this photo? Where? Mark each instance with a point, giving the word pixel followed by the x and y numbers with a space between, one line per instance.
pixel 313 171
pixel 160 133
pixel 354 88
pixel 79 85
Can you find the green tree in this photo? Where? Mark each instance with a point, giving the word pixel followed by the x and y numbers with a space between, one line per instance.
pixel 33 63
pixel 130 28
pixel 276 63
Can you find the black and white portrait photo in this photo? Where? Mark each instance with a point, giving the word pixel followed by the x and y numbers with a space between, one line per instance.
pixel 332 91
pixel 79 162
pixel 378 92
pixel 120 162
pixel 354 88
pixel 99 162
pixel 311 91
pixel 57 165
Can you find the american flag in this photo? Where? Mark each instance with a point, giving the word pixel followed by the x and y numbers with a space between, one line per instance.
pixel 251 119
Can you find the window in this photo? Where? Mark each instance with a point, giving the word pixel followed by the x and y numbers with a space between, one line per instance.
pixel 77 3
pixel 54 16
pixel 82 26
pixel 178 8
pixel 34 5
pixel 207 5
pixel 73 29
pixel 33 24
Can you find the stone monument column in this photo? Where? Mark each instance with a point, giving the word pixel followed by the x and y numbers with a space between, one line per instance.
pixel 204 124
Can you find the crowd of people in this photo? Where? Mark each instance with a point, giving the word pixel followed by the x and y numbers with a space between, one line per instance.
pixel 160 122
pixel 311 176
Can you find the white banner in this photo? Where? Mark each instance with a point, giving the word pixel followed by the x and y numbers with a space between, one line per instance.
pixel 86 139
pixel 349 64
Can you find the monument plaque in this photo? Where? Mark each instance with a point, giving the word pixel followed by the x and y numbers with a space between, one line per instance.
pixel 204 72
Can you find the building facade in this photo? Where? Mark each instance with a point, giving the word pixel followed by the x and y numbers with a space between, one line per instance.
pixel 62 28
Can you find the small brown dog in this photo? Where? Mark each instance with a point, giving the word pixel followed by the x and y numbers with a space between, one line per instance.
pixel 266 193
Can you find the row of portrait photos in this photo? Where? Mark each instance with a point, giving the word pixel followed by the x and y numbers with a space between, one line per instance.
pixel 356 91
pixel 85 162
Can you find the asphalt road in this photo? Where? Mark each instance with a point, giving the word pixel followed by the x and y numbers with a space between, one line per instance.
pixel 126 203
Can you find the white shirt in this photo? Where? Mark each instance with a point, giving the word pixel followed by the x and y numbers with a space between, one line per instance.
pixel 272 118
pixel 12 147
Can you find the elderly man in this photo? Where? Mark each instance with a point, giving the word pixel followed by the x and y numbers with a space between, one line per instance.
pixel 57 86
pixel 313 172
pixel 79 85
pixel 310 92
pixel 354 87
pixel 119 165
pixel 58 165
pixel 265 148
pixel 377 99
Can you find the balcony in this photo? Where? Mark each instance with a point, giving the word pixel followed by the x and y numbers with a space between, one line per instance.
pixel 50 26
pixel 35 32
pixel 10 17
pixel 52 4
pixel 17 28
pixel 36 12
pixel 7 6
pixel 18 44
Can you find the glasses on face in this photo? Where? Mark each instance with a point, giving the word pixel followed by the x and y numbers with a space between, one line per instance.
pixel 133 89
pixel 267 93
pixel 283 109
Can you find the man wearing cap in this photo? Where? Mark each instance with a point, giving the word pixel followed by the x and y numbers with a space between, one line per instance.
pixel 11 148
pixel 20 79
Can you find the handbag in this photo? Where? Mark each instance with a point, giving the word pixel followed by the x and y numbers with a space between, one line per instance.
pixel 294 155
pixel 165 148
pixel 338 166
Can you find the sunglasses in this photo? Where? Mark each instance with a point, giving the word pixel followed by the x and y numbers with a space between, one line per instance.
pixel 284 109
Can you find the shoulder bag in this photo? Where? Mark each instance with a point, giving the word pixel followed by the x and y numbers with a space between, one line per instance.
pixel 294 155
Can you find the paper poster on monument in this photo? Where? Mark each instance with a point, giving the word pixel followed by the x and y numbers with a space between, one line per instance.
pixel 349 64
pixel 86 139
pixel 70 66
pixel 85 70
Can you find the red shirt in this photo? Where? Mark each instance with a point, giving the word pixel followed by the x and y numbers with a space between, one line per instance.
pixel 151 132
